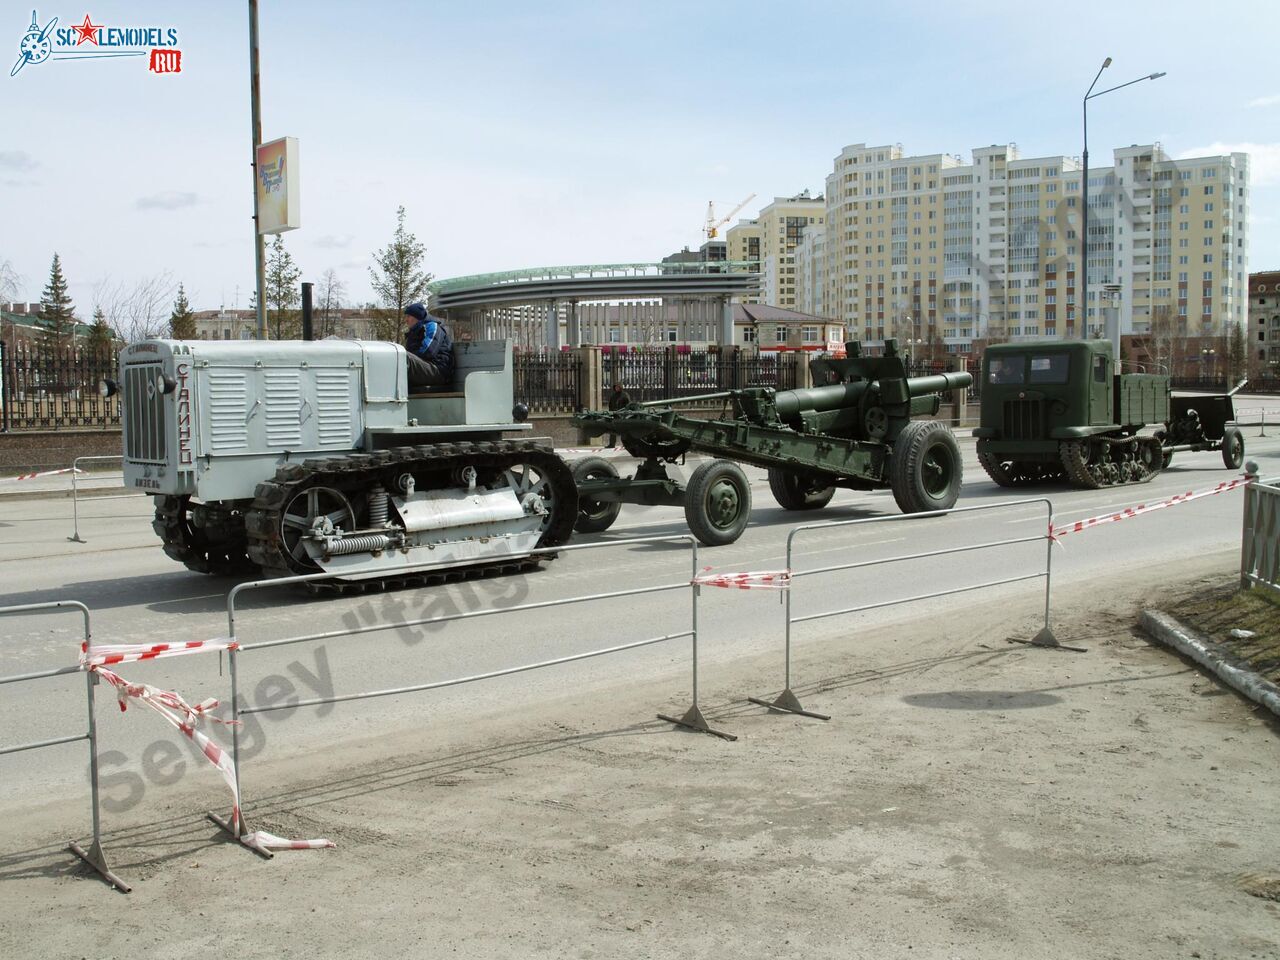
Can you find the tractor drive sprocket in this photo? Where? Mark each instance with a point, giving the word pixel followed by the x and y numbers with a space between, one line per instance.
pixel 202 538
pixel 1017 473
pixel 434 466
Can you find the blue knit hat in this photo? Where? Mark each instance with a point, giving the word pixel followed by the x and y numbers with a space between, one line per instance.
pixel 416 310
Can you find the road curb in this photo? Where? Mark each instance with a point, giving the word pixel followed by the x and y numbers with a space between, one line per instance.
pixel 1174 634
pixel 85 493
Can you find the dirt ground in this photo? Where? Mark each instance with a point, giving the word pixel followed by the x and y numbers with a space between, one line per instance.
pixel 969 798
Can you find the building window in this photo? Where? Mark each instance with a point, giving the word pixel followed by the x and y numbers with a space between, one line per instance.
pixel 780 334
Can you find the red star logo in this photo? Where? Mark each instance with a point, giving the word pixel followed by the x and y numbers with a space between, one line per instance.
pixel 88 31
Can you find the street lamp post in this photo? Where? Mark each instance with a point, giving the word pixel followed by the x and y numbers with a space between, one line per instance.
pixel 1083 316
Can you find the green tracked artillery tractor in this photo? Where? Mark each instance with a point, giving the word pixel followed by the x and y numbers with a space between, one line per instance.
pixel 1056 411
pixel 854 432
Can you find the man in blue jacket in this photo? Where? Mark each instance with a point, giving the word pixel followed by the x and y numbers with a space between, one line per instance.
pixel 430 349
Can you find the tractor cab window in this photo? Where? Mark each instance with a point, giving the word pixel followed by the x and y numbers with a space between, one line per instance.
pixel 1100 369
pixel 1005 370
pixel 1050 369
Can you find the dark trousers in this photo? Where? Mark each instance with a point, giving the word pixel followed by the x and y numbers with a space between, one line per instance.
pixel 423 373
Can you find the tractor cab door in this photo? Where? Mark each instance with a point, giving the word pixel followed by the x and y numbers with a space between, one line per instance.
pixel 1100 385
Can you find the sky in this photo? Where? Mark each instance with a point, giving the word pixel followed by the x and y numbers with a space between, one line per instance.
pixel 521 135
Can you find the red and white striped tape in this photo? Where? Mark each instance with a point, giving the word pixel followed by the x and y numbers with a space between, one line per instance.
pixel 185 717
pixel 44 473
pixel 749 580
pixel 108 654
pixel 1057 533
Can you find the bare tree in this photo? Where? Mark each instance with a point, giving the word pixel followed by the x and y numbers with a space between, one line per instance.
pixel 10 282
pixel 332 292
pixel 138 311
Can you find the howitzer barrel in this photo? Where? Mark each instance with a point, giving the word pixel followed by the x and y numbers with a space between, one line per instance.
pixel 938 383
pixel 791 403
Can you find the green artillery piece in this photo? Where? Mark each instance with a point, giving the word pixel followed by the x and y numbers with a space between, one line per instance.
pixel 855 432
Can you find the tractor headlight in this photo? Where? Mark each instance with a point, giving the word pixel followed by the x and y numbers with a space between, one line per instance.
pixel 165 384
pixel 108 388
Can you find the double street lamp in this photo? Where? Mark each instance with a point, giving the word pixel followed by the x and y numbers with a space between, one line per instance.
pixel 1083 316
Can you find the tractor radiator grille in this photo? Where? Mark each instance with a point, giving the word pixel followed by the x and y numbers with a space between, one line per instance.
pixel 144 421
pixel 1024 420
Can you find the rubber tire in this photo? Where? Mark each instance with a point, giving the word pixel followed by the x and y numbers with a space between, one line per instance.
pixel 1167 457
pixel 793 493
pixel 1232 448
pixel 920 441
pixel 605 512
pixel 698 491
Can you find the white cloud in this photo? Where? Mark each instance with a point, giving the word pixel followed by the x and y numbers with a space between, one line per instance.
pixel 1264 159
pixel 1271 101
pixel 170 200
pixel 331 242
pixel 17 160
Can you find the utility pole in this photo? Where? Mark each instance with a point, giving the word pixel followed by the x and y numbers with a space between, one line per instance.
pixel 255 98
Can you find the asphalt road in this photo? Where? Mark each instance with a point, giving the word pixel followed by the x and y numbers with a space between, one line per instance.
pixel 139 595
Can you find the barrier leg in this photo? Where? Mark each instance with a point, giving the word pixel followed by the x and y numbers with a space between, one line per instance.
pixel 1046 638
pixel 94 856
pixel 75 506
pixel 235 825
pixel 693 718
pixel 787 701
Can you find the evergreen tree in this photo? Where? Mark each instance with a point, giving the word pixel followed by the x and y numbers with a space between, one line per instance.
pixel 182 322
pixel 100 340
pixel 282 294
pixel 57 312
pixel 398 278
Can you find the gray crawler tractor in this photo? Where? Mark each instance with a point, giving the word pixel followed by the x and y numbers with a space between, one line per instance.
pixel 289 457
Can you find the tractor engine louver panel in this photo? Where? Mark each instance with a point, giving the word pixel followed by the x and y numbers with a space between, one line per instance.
pixel 228 411
pixel 284 403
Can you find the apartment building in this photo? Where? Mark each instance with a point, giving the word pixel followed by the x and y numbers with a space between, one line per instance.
pixel 1263 332
pixel 776 232
pixel 942 252
pixel 743 240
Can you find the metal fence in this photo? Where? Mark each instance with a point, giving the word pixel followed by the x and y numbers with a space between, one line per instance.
pixel 674 373
pixel 787 700
pixel 1260 537
pixel 692 718
pixel 43 388
pixel 548 382
pixel 94 856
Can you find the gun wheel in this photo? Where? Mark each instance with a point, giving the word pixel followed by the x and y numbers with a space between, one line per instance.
pixel 595 516
pixel 796 492
pixel 1232 448
pixel 924 467
pixel 718 502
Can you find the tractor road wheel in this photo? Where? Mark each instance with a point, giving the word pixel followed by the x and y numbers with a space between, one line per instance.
pixel 1232 448
pixel 595 516
pixel 717 502
pixel 794 492
pixel 924 468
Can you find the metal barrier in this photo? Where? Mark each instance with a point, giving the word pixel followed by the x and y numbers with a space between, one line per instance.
pixel 94 856
pixel 788 702
pixel 75 494
pixel 691 719
pixel 1261 422
pixel 1260 535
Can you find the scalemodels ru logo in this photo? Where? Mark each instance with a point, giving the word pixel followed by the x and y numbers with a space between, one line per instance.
pixel 91 40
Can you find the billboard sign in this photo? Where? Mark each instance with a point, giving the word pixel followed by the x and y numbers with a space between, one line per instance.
pixel 277 186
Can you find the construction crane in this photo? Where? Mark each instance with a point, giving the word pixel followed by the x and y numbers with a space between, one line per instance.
pixel 713 224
